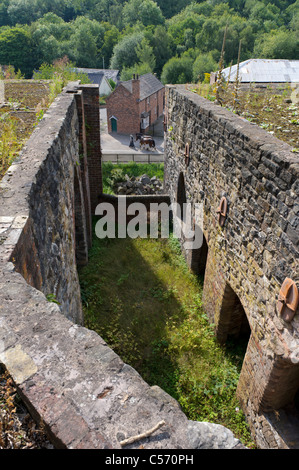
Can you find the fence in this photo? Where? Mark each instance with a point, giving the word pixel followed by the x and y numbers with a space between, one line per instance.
pixel 133 157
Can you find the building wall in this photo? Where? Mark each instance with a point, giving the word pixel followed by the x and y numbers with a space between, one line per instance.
pixel 105 88
pixel 124 106
pixel 153 104
pixel 251 255
pixel 127 109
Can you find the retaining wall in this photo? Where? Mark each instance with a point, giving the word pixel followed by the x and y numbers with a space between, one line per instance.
pixel 211 154
pixel 68 377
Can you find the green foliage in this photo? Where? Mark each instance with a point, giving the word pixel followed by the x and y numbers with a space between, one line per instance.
pixel 204 63
pixel 145 11
pixel 279 44
pixel 140 296
pixel 178 70
pixel 17 49
pixel 96 32
pixel 140 69
pixel 124 53
pixel 60 73
pixel 9 143
pixel 113 173
pixel 52 298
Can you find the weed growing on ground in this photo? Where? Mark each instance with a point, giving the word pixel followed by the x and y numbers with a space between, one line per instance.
pixel 271 108
pixel 147 305
pixel 113 173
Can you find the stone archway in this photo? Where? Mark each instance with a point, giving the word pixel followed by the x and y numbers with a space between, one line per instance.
pixel 199 258
pixel 232 320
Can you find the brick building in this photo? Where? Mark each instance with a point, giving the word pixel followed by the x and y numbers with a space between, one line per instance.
pixel 135 104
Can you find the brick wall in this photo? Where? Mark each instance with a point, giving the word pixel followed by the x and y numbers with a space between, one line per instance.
pixel 257 248
pixel 93 141
pixel 127 108
pixel 124 106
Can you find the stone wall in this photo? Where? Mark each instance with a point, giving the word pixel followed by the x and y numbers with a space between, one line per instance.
pixel 70 380
pixel 212 154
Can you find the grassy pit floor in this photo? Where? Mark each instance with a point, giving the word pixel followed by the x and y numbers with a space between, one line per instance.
pixel 141 298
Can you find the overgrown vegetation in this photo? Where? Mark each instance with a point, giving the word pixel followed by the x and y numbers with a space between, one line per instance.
pixel 275 109
pixel 60 73
pixel 25 105
pixel 140 296
pixel 113 173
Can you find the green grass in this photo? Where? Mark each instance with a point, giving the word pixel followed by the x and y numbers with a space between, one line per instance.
pixel 112 171
pixel 140 296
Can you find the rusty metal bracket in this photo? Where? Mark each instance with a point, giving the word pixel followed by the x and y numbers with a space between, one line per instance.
pixel 222 211
pixel 288 300
pixel 187 154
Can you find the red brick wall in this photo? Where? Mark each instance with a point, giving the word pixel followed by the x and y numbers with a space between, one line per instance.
pixel 93 141
pixel 154 105
pixel 125 107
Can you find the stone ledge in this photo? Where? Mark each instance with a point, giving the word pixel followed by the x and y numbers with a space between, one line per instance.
pixel 79 388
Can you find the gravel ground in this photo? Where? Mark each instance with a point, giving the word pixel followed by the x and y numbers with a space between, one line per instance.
pixel 17 428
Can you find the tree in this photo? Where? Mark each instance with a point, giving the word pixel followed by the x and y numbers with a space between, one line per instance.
pixel 140 69
pixel 4 18
pixel 178 70
pixel 51 36
pixel 124 53
pixel 17 49
pixel 280 44
pixel 86 42
pixel 145 54
pixel 204 63
pixel 27 11
pixel 170 8
pixel 145 11
pixel 111 38
pixel 162 47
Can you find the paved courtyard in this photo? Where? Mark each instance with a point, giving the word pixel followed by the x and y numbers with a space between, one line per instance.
pixel 115 147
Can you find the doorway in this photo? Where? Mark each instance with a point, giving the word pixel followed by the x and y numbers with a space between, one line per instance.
pixel 113 124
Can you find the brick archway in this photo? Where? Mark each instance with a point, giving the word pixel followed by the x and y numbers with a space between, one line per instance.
pixel 232 319
pixel 199 258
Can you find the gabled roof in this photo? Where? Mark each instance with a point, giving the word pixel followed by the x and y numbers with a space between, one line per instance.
pixel 265 71
pixel 112 74
pixel 149 84
pixel 96 78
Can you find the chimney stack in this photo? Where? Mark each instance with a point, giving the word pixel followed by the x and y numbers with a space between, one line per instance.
pixel 136 86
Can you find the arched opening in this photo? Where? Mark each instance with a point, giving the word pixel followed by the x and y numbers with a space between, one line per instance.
pixel 233 323
pixel 199 259
pixel 280 402
pixel 181 198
